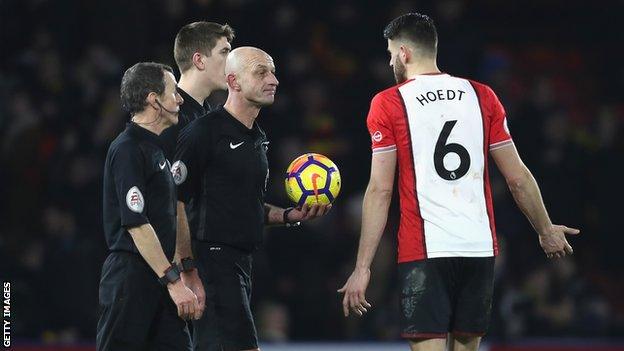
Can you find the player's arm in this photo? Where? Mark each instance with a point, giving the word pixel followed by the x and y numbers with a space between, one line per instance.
pixel 527 195
pixel 277 215
pixel 374 216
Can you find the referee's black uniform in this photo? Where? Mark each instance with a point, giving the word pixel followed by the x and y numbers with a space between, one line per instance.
pixel 190 110
pixel 221 173
pixel 136 311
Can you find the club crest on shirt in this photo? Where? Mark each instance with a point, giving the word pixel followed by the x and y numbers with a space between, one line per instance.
pixel 179 172
pixel 377 136
pixel 134 200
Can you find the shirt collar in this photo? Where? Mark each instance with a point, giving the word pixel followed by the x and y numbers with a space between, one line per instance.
pixel 188 99
pixel 234 123
pixel 143 134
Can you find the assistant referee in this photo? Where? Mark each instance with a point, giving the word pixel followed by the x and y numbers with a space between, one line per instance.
pixel 222 173
pixel 143 302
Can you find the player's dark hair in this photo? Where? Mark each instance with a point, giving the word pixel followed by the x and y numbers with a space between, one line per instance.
pixel 198 37
pixel 140 80
pixel 416 28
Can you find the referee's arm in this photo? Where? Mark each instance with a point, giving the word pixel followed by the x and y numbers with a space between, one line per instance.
pixel 186 171
pixel 128 172
pixel 276 215
pixel 185 174
pixel 149 247
pixel 183 238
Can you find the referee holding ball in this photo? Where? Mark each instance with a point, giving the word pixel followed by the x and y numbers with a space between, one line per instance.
pixel 221 173
pixel 143 301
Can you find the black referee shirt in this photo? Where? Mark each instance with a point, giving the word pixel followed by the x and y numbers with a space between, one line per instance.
pixel 138 189
pixel 190 110
pixel 221 175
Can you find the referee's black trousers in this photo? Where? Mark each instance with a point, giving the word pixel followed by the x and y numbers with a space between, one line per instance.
pixel 136 312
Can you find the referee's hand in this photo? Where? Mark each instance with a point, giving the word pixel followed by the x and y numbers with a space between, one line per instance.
pixel 184 298
pixel 192 281
pixel 308 212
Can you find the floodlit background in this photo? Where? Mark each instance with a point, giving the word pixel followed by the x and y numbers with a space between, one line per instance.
pixel 556 65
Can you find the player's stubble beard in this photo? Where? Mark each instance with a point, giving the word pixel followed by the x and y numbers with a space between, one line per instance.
pixel 399 70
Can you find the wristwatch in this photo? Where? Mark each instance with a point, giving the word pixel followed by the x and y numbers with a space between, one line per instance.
pixel 187 264
pixel 172 275
pixel 285 219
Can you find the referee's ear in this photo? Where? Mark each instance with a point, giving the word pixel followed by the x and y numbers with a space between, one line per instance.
pixel 232 82
pixel 198 62
pixel 151 100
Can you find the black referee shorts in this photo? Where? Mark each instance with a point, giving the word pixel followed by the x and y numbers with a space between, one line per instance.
pixel 136 312
pixel 446 295
pixel 227 323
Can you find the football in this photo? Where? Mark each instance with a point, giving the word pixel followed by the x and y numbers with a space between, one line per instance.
pixel 312 179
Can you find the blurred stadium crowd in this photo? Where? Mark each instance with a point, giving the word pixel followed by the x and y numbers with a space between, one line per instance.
pixel 556 67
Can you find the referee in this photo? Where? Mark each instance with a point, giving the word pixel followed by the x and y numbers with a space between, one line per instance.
pixel 200 50
pixel 221 172
pixel 143 302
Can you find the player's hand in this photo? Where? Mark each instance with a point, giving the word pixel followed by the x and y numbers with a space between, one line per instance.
pixel 354 292
pixel 307 212
pixel 192 281
pixel 554 242
pixel 184 299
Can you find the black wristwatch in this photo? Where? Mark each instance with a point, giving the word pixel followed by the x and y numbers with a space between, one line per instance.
pixel 172 275
pixel 187 264
pixel 285 218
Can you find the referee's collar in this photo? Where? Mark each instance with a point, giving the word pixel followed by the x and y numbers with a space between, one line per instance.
pixel 143 134
pixel 190 101
pixel 238 126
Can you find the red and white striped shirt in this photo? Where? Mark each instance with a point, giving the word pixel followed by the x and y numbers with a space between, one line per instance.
pixel 441 128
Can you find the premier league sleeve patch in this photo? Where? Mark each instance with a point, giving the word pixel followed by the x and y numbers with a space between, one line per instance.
pixel 179 172
pixel 134 200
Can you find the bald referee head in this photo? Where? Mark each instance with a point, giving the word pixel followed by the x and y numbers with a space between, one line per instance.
pixel 251 80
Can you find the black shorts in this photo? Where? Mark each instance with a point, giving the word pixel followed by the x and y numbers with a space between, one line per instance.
pixel 136 311
pixel 227 323
pixel 446 295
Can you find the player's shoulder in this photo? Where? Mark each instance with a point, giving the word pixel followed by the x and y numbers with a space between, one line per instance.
pixel 390 94
pixel 480 88
pixel 389 98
